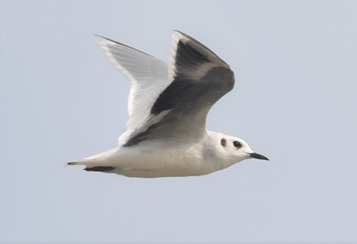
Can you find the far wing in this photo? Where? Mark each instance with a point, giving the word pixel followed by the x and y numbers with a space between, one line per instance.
pixel 148 76
pixel 198 79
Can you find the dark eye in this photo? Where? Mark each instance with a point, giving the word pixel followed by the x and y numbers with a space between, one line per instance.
pixel 237 144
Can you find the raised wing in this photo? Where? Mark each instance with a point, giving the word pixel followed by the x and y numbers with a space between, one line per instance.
pixel 198 79
pixel 148 76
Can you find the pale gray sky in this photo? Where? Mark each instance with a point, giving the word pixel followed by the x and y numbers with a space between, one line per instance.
pixel 294 101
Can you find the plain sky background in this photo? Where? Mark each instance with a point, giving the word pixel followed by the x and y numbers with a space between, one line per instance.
pixel 294 101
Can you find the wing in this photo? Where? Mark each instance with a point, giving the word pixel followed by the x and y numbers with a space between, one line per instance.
pixel 148 76
pixel 198 79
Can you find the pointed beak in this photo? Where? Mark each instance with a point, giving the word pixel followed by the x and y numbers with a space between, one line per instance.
pixel 258 156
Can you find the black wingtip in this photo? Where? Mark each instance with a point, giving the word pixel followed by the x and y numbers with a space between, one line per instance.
pixel 100 168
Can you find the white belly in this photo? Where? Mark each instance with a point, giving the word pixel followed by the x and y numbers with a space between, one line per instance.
pixel 162 161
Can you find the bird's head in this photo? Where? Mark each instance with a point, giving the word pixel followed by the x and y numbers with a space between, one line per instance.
pixel 237 149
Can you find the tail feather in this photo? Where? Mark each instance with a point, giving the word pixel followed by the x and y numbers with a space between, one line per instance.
pixel 93 168
pixel 70 163
pixel 100 162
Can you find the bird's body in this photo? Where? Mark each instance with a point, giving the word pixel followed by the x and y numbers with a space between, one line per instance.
pixel 168 105
pixel 172 157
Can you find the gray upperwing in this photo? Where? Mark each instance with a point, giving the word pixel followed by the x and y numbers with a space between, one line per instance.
pixel 200 79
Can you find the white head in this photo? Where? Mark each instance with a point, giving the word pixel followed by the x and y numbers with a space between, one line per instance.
pixel 233 149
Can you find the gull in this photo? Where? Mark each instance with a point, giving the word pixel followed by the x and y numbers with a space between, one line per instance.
pixel 168 104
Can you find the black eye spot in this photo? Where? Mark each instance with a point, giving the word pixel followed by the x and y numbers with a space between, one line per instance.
pixel 237 144
pixel 223 142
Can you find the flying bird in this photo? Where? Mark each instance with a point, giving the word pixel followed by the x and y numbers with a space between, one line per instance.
pixel 166 132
